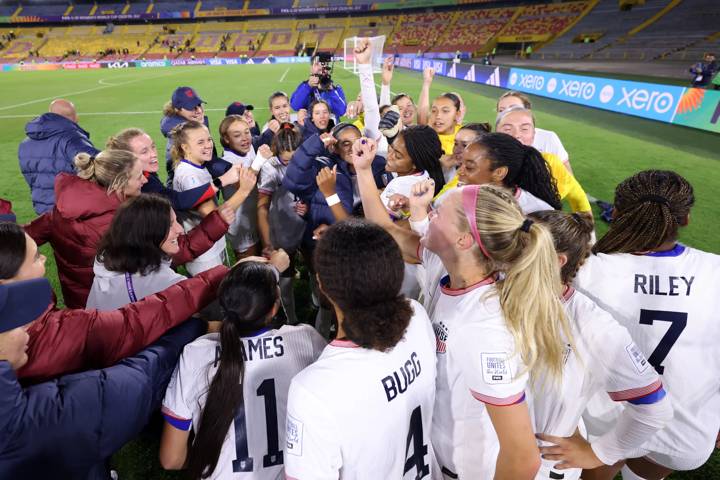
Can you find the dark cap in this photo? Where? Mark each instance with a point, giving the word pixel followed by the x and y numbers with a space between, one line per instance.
pixel 237 108
pixel 186 97
pixel 22 302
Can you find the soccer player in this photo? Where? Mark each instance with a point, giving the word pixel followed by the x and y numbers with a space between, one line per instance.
pixel 604 359
pixel 364 409
pixel 666 295
pixel 490 332
pixel 231 388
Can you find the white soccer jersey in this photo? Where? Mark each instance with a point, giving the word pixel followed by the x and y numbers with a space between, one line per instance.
pixel 360 414
pixel 254 447
pixel 476 365
pixel 669 302
pixel 401 186
pixel 529 203
pixel 286 226
pixel 187 176
pixel 548 141
pixel 243 232
pixel 605 360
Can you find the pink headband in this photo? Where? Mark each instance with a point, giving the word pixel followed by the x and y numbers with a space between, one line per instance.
pixel 469 202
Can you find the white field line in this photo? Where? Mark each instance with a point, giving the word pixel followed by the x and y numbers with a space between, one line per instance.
pixel 80 92
pixel 282 79
pixel 94 114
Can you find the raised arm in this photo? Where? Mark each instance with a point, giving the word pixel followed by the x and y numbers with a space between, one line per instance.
pixel 387 74
pixel 424 100
pixel 363 155
pixel 363 55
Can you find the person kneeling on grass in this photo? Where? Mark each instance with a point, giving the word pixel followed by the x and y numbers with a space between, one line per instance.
pixel 70 426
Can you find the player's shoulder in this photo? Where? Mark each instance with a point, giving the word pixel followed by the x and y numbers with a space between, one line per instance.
pixel 586 316
pixel 202 346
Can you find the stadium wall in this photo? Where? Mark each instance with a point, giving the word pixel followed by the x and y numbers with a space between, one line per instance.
pixel 690 107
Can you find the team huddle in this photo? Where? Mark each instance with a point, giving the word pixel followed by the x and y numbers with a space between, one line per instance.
pixel 469 324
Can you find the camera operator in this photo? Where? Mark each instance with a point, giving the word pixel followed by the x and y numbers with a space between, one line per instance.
pixel 704 71
pixel 319 86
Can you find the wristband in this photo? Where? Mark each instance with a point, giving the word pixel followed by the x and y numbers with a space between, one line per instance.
pixel 258 162
pixel 332 199
pixel 218 183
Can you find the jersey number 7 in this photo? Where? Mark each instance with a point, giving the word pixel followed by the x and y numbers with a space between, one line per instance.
pixel 678 322
pixel 274 456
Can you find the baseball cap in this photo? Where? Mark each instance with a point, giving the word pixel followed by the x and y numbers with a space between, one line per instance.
pixel 22 302
pixel 237 108
pixel 186 97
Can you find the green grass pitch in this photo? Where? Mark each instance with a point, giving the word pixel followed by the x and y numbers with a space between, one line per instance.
pixel 604 148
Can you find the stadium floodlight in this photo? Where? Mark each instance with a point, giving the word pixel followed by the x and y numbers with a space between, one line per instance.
pixel 377 44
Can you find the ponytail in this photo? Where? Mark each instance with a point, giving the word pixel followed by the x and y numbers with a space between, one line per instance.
pixel 526 167
pixel 121 141
pixel 650 207
pixel 530 290
pixel 169 110
pixel 247 296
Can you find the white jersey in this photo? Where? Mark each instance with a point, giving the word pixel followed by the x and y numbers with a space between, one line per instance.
pixel 669 302
pixel 605 360
pixel 361 414
pixel 476 365
pixel 243 232
pixel 187 176
pixel 286 226
pixel 401 186
pixel 254 447
pixel 548 141
pixel 529 203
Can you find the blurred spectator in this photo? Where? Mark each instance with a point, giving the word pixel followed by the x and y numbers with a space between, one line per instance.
pixel 703 72
pixel 53 140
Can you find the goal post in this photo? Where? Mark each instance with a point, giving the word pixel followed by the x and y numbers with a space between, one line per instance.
pixel 376 43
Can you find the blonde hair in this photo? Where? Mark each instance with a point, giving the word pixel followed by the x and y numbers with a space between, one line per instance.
pixel 179 135
pixel 121 141
pixel 530 290
pixel 225 126
pixel 527 104
pixel 109 168
pixel 169 110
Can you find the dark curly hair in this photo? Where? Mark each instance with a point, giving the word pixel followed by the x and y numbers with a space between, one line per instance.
pixel 571 234
pixel 526 166
pixel 424 148
pixel 132 243
pixel 360 269
pixel 650 206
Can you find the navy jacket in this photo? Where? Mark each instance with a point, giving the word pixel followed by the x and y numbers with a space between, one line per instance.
pixel 310 129
pixel 307 161
pixel 49 149
pixel 180 200
pixel 304 94
pixel 64 428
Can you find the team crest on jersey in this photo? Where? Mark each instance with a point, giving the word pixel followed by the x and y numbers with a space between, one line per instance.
pixel 293 436
pixel 441 336
pixel 495 368
pixel 637 357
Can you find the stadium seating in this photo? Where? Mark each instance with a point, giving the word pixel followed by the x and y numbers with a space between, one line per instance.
pixel 418 32
pixel 473 29
pixel 546 19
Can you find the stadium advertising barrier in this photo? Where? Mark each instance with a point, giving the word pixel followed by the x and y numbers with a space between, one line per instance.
pixel 486 74
pixel 691 107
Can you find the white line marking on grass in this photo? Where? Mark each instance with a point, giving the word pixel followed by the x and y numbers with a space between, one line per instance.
pixel 93 114
pixel 282 79
pixel 80 92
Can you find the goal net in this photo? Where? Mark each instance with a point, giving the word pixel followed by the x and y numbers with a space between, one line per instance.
pixel 349 44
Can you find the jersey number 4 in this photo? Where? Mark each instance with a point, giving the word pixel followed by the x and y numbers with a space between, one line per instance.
pixel 274 456
pixel 419 449
pixel 678 322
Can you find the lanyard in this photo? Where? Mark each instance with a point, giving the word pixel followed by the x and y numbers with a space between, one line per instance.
pixel 130 288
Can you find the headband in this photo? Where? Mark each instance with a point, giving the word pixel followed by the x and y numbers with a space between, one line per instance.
pixel 340 127
pixel 469 202
pixel 655 199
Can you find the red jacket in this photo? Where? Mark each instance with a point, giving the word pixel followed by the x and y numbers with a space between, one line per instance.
pixel 82 214
pixel 65 340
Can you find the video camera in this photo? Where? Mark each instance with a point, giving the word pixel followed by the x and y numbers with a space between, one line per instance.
pixel 325 59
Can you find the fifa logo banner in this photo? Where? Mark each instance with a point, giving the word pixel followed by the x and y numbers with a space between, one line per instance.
pixel 691 107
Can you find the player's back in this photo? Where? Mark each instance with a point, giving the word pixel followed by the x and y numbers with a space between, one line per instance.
pixel 668 302
pixel 360 414
pixel 255 443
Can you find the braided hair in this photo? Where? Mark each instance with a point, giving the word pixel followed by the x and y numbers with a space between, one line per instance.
pixel 424 148
pixel 526 166
pixel 650 206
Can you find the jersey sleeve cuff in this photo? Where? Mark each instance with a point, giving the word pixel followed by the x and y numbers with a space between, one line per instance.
pixel 497 401
pixel 652 393
pixel 175 420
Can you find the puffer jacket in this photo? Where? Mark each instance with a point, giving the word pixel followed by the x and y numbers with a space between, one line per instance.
pixel 81 216
pixel 49 149
pixel 67 428
pixel 308 160
pixel 69 340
